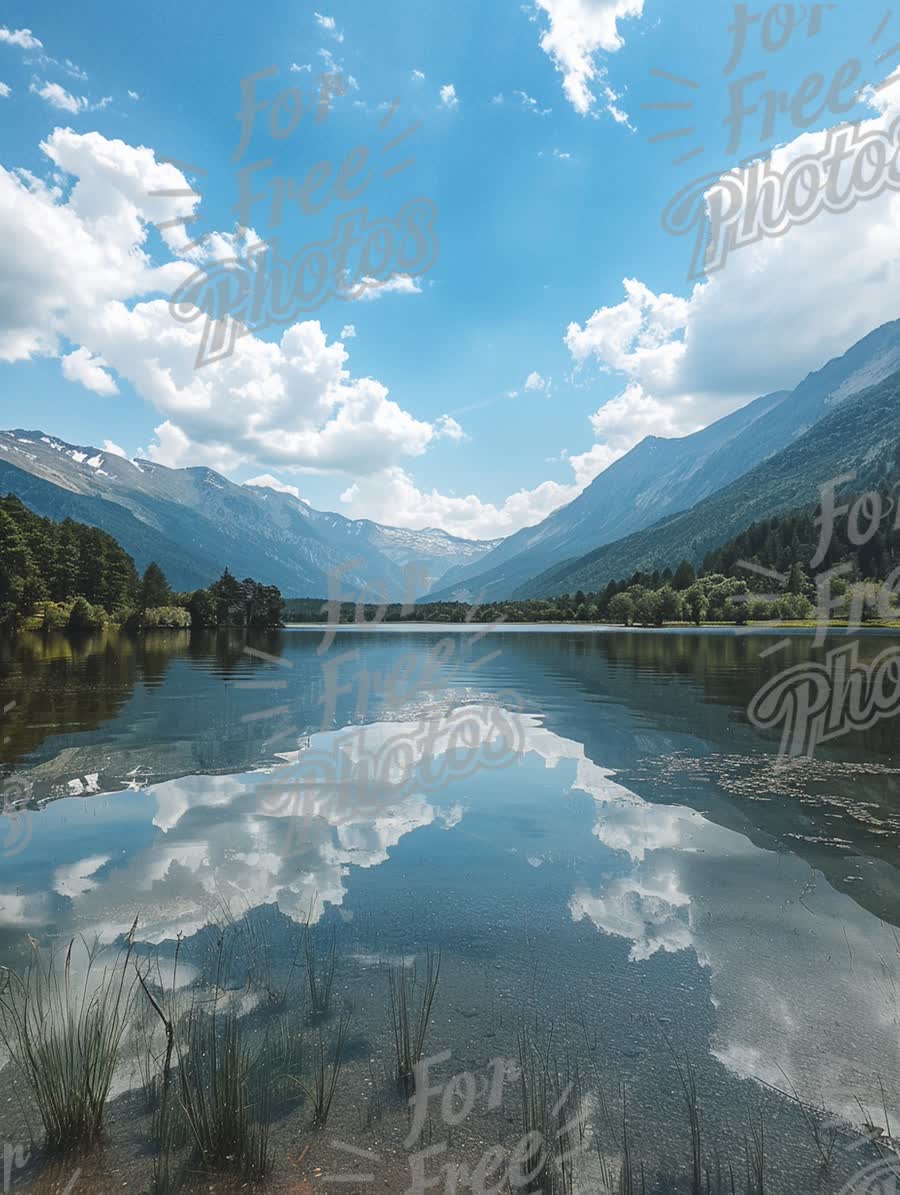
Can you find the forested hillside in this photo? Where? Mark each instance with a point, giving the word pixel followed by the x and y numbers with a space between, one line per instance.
pixel 45 561
pixel 68 575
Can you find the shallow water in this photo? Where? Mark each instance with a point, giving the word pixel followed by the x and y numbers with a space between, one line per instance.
pixel 585 823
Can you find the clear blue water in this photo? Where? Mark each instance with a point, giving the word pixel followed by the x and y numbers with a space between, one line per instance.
pixel 585 824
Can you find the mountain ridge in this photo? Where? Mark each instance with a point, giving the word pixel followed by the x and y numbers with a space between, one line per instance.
pixel 859 436
pixel 194 520
pixel 662 476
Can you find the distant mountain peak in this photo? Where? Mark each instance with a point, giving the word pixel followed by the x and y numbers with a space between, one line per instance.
pixel 194 521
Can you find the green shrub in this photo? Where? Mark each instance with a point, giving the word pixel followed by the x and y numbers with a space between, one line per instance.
pixel 794 607
pixel 759 610
pixel 166 616
pixel 85 617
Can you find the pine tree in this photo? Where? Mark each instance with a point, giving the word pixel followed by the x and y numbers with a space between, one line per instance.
pixel 16 571
pixel 154 590
pixel 229 600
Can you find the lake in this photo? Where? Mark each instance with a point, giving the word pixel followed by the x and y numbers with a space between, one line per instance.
pixel 614 865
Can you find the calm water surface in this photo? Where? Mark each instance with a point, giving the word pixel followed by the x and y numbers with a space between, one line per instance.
pixel 585 823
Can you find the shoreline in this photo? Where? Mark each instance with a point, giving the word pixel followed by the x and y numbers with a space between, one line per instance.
pixel 752 628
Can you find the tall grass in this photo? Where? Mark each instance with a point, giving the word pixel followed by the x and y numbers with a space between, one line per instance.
pixel 755 1146
pixel 411 1004
pixel 689 1087
pixel 319 976
pixel 627 1178
pixel 64 1033
pixel 328 1061
pixel 224 1092
pixel 552 1120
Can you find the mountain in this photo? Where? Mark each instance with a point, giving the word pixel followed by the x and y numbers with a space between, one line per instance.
pixel 660 477
pixel 194 522
pixel 860 436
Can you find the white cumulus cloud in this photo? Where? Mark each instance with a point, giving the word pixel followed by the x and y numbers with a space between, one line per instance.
pixel 78 269
pixel 534 381
pixel 449 98
pixel 761 324
pixel 578 31
pixel 447 428
pixel 57 97
pixel 82 366
pixel 392 496
pixel 23 38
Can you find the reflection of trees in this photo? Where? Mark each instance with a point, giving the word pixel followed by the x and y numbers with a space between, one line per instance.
pixel 708 679
pixel 154 650
pixel 59 685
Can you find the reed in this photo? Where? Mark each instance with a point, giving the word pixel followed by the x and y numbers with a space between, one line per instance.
pixel 224 1093
pixel 319 976
pixel 328 1061
pixel 167 1128
pixel 755 1145
pixel 224 1090
pixel 552 1123
pixel 64 1034
pixel 411 1004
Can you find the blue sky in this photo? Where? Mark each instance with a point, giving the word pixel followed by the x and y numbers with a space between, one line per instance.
pixel 535 146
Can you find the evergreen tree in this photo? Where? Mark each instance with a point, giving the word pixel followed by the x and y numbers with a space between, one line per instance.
pixel 154 589
pixel 229 601
pixel 202 609
pixel 684 576
pixel 17 572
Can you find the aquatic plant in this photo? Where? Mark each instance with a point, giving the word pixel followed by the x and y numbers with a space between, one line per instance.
pixel 755 1146
pixel 319 976
pixel 64 1033
pixel 224 1083
pixel 224 1093
pixel 328 1061
pixel 552 1122
pixel 411 1004
pixel 168 1126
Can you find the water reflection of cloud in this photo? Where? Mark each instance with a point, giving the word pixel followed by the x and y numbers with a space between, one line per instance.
pixel 801 977
pixel 244 841
pixel 23 910
pixel 73 879
pixel 652 912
